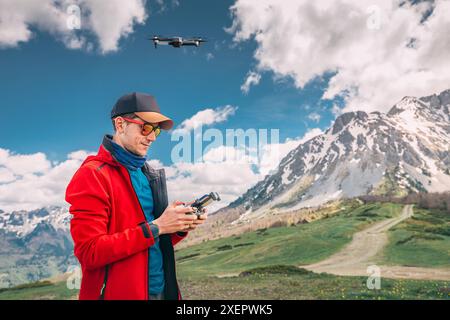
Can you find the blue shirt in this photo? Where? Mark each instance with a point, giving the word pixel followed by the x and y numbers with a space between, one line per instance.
pixel 144 193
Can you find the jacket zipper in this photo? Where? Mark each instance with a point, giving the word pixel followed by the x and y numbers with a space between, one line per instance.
pixel 102 290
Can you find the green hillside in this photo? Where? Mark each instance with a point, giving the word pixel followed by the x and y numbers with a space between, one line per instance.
pixel 40 290
pixel 273 282
pixel 294 245
pixel 422 241
pixel 295 284
pixel 263 264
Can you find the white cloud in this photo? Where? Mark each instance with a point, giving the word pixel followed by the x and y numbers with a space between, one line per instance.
pixel 78 155
pixel 314 116
pixel 336 110
pixel 108 21
pixel 17 16
pixel 155 163
pixel 187 181
pixel 310 134
pixel 252 79
pixel 23 164
pixel 209 56
pixel 368 49
pixel 6 175
pixel 30 181
pixel 227 170
pixel 206 117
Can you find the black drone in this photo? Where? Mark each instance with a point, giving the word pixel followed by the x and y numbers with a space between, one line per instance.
pixel 177 42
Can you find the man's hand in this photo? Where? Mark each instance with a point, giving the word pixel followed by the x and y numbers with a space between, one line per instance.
pixel 175 218
pixel 201 219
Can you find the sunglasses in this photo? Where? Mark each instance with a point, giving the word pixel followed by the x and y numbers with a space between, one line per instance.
pixel 146 128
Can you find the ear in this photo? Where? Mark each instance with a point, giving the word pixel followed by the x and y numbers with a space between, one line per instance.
pixel 120 125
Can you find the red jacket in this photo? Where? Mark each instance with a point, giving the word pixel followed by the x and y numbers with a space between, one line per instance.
pixel 110 233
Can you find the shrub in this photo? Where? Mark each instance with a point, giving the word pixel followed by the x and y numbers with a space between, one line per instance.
pixel 276 269
pixel 188 256
pixel 244 244
pixel 225 247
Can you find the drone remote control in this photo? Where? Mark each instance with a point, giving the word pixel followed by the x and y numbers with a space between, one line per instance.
pixel 203 201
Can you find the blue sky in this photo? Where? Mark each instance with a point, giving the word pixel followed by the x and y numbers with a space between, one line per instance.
pixel 56 100
pixel 58 86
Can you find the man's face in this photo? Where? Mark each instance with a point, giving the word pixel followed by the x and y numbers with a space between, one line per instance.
pixel 131 137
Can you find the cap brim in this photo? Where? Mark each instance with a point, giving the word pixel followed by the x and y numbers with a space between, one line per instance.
pixel 156 117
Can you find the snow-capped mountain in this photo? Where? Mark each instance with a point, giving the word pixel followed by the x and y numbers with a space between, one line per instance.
pixel 405 150
pixel 34 245
pixel 22 222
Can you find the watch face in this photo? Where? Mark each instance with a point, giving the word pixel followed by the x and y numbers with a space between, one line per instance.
pixel 154 228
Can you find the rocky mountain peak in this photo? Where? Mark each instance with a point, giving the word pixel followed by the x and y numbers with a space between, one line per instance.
pixel 345 118
pixel 407 103
pixel 403 151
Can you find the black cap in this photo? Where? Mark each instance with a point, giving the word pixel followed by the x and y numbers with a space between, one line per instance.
pixel 144 106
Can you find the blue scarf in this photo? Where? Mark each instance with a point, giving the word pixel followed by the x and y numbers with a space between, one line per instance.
pixel 127 158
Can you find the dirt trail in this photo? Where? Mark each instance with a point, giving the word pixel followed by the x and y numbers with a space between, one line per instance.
pixel 355 257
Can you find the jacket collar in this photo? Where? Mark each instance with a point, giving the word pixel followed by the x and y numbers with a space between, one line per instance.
pixel 105 155
pixel 107 146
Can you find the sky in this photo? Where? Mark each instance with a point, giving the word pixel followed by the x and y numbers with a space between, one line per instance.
pixel 291 65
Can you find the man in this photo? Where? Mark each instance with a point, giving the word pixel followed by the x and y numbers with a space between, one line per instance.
pixel 122 227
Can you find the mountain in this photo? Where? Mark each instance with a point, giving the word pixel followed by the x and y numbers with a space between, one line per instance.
pixel 22 223
pixel 34 245
pixel 405 150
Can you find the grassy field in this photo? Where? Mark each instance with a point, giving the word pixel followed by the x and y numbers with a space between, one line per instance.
pixel 263 264
pixel 272 282
pixel 291 283
pixel 422 241
pixel 294 245
pixel 41 290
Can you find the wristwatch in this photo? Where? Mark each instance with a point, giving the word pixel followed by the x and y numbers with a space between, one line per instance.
pixel 154 229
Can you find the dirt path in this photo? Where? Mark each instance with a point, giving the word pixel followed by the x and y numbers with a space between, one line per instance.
pixel 355 257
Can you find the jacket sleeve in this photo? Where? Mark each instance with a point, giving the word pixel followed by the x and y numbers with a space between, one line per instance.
pixel 88 195
pixel 178 236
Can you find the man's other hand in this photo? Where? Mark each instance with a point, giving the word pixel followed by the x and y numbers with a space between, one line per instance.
pixel 176 218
